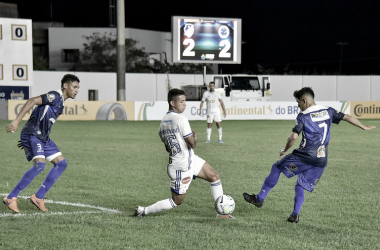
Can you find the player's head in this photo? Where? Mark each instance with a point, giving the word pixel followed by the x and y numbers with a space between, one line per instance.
pixel 304 97
pixel 177 100
pixel 211 86
pixel 69 78
pixel 70 86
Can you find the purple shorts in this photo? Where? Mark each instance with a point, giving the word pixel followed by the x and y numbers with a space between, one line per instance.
pixel 35 148
pixel 308 176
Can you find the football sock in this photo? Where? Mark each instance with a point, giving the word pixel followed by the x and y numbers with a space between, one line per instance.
pixel 298 199
pixel 269 183
pixel 216 189
pixel 160 206
pixel 208 133
pixel 220 133
pixel 29 175
pixel 51 177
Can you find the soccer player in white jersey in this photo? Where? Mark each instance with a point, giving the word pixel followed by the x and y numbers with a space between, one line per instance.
pixel 183 166
pixel 213 111
pixel 310 160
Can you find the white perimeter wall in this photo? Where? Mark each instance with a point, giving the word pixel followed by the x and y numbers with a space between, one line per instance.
pixel 153 87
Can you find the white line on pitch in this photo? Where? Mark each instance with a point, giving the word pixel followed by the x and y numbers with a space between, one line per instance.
pixel 48 213
pixel 103 209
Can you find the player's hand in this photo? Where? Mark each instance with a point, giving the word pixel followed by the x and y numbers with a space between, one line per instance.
pixel 224 114
pixel 282 153
pixel 200 112
pixel 12 127
pixel 19 144
pixel 194 134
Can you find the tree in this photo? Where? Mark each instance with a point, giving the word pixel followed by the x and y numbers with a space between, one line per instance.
pixel 99 55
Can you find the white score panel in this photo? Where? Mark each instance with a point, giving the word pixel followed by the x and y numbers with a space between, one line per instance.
pixel 16 52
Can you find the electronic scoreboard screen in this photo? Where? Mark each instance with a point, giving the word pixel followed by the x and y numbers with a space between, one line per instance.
pixel 206 40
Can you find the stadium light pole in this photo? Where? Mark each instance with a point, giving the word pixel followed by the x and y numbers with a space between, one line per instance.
pixel 341 56
pixel 120 51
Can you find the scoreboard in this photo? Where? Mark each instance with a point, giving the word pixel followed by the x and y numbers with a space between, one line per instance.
pixel 206 40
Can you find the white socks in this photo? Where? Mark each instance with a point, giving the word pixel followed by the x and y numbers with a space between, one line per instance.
pixel 208 132
pixel 216 189
pixel 160 206
pixel 220 133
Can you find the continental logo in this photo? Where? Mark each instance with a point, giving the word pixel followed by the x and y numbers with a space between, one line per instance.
pixel 370 109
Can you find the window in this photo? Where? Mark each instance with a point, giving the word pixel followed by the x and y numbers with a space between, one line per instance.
pixel 70 55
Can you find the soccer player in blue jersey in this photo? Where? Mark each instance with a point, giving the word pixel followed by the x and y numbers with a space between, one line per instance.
pixel 310 159
pixel 36 142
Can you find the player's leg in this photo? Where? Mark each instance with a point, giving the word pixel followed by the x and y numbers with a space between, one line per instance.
pixel 308 179
pixel 33 148
pixel 209 128
pixel 299 198
pixel 60 165
pixel 179 183
pixel 219 126
pixel 269 183
pixel 209 174
pixel 163 205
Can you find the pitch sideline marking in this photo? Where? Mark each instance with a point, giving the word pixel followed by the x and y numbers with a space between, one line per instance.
pixel 102 209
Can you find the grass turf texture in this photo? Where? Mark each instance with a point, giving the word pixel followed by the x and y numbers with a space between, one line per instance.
pixel 119 165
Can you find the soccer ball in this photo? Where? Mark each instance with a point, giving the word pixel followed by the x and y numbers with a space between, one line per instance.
pixel 225 204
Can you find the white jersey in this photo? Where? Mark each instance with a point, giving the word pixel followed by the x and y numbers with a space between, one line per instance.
pixel 212 100
pixel 174 128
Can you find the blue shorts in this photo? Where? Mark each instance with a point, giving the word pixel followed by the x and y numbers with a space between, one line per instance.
pixel 308 176
pixel 35 148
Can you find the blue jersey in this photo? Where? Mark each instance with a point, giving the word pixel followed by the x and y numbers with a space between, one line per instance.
pixel 315 125
pixel 44 116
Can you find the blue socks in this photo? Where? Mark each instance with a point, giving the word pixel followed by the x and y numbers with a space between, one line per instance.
pixel 51 177
pixel 269 183
pixel 37 168
pixel 298 199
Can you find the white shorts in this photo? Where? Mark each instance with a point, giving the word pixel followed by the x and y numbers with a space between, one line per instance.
pixel 181 176
pixel 215 118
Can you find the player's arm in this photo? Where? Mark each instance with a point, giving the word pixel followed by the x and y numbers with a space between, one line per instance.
pixel 356 122
pixel 289 143
pixel 223 108
pixel 25 109
pixel 200 108
pixel 191 140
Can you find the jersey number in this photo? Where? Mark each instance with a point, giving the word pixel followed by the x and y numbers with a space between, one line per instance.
pixel 324 126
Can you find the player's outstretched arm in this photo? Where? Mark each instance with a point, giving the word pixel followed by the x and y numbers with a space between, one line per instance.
pixel 356 122
pixel 12 127
pixel 289 143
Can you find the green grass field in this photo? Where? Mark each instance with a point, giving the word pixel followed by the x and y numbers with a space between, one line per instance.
pixel 114 166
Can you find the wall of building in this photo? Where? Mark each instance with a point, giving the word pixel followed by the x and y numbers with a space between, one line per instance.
pixel 154 87
pixel 154 42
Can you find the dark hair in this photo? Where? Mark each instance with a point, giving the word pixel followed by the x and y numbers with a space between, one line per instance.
pixel 68 78
pixel 173 93
pixel 298 94
pixel 211 83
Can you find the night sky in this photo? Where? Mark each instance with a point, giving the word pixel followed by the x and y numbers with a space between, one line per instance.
pixel 298 34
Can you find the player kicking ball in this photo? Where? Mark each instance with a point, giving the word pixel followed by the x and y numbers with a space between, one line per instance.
pixel 36 142
pixel 179 140
pixel 310 160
